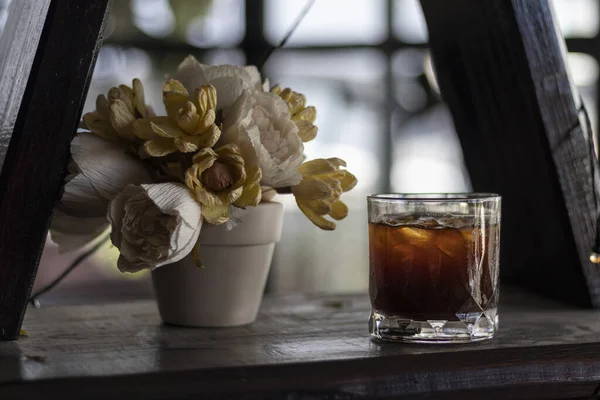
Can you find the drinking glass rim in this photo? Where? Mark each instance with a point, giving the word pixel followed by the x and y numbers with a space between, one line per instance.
pixel 436 197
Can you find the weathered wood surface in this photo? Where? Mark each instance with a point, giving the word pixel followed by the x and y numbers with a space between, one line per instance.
pixel 501 69
pixel 18 44
pixel 301 347
pixel 48 114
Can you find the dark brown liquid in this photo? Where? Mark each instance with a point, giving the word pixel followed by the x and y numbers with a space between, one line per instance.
pixel 426 269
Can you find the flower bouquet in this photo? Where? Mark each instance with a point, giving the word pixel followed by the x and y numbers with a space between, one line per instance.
pixel 191 190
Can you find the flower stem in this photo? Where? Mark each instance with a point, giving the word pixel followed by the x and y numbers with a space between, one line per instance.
pixel 33 300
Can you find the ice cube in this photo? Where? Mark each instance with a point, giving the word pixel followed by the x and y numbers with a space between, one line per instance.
pixel 403 252
pixel 413 235
pixel 450 242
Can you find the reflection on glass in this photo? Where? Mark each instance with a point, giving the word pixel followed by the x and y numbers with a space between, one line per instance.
pixel 408 21
pixel 328 21
pixel 347 88
pixel 577 18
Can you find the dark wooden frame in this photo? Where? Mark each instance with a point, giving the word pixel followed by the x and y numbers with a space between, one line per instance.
pixel 47 118
pixel 501 69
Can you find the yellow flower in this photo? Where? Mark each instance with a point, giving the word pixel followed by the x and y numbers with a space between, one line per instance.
pixel 220 178
pixel 303 116
pixel 188 126
pixel 114 116
pixel 319 192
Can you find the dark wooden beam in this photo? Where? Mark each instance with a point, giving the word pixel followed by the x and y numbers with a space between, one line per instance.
pixel 501 69
pixel 50 107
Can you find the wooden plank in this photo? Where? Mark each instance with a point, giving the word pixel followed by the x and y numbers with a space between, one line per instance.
pixel 18 44
pixel 301 346
pixel 501 69
pixel 37 154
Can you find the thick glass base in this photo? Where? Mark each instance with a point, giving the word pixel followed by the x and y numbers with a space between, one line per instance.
pixel 471 327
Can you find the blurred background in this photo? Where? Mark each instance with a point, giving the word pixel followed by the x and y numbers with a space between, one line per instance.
pixel 364 64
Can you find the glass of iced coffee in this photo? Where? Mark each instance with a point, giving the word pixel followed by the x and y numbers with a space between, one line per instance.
pixel 434 262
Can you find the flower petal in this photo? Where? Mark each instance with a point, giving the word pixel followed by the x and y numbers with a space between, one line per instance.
pixel 267 193
pixel 316 219
pixel 97 123
pixel 296 103
pixel 177 216
pixel 250 197
pixel 317 166
pixel 216 214
pixel 122 94
pixel 252 191
pixel 70 232
pixel 338 162
pixel 166 129
pixel 279 149
pixel 175 199
pixel 229 90
pixel 306 130
pixel 175 96
pixel 208 138
pixel 102 105
pixel 139 101
pixel 191 73
pixel 186 144
pixel 204 159
pixel 143 130
pixel 348 181
pixel 80 199
pixel 120 116
pixel 229 81
pixel 339 210
pixel 206 122
pixel 319 207
pixel 159 147
pixel 205 98
pixel 188 118
pixel 312 189
pixel 308 114
pixel 106 165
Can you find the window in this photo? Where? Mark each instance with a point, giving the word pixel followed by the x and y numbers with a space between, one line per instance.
pixel 363 63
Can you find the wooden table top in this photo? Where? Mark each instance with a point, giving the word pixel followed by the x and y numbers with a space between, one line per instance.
pixel 301 347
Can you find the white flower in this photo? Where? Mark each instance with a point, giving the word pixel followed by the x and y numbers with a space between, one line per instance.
pixel 229 80
pixel 154 225
pixel 259 123
pixel 99 171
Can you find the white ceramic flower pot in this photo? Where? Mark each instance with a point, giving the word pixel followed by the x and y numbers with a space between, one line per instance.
pixel 229 290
